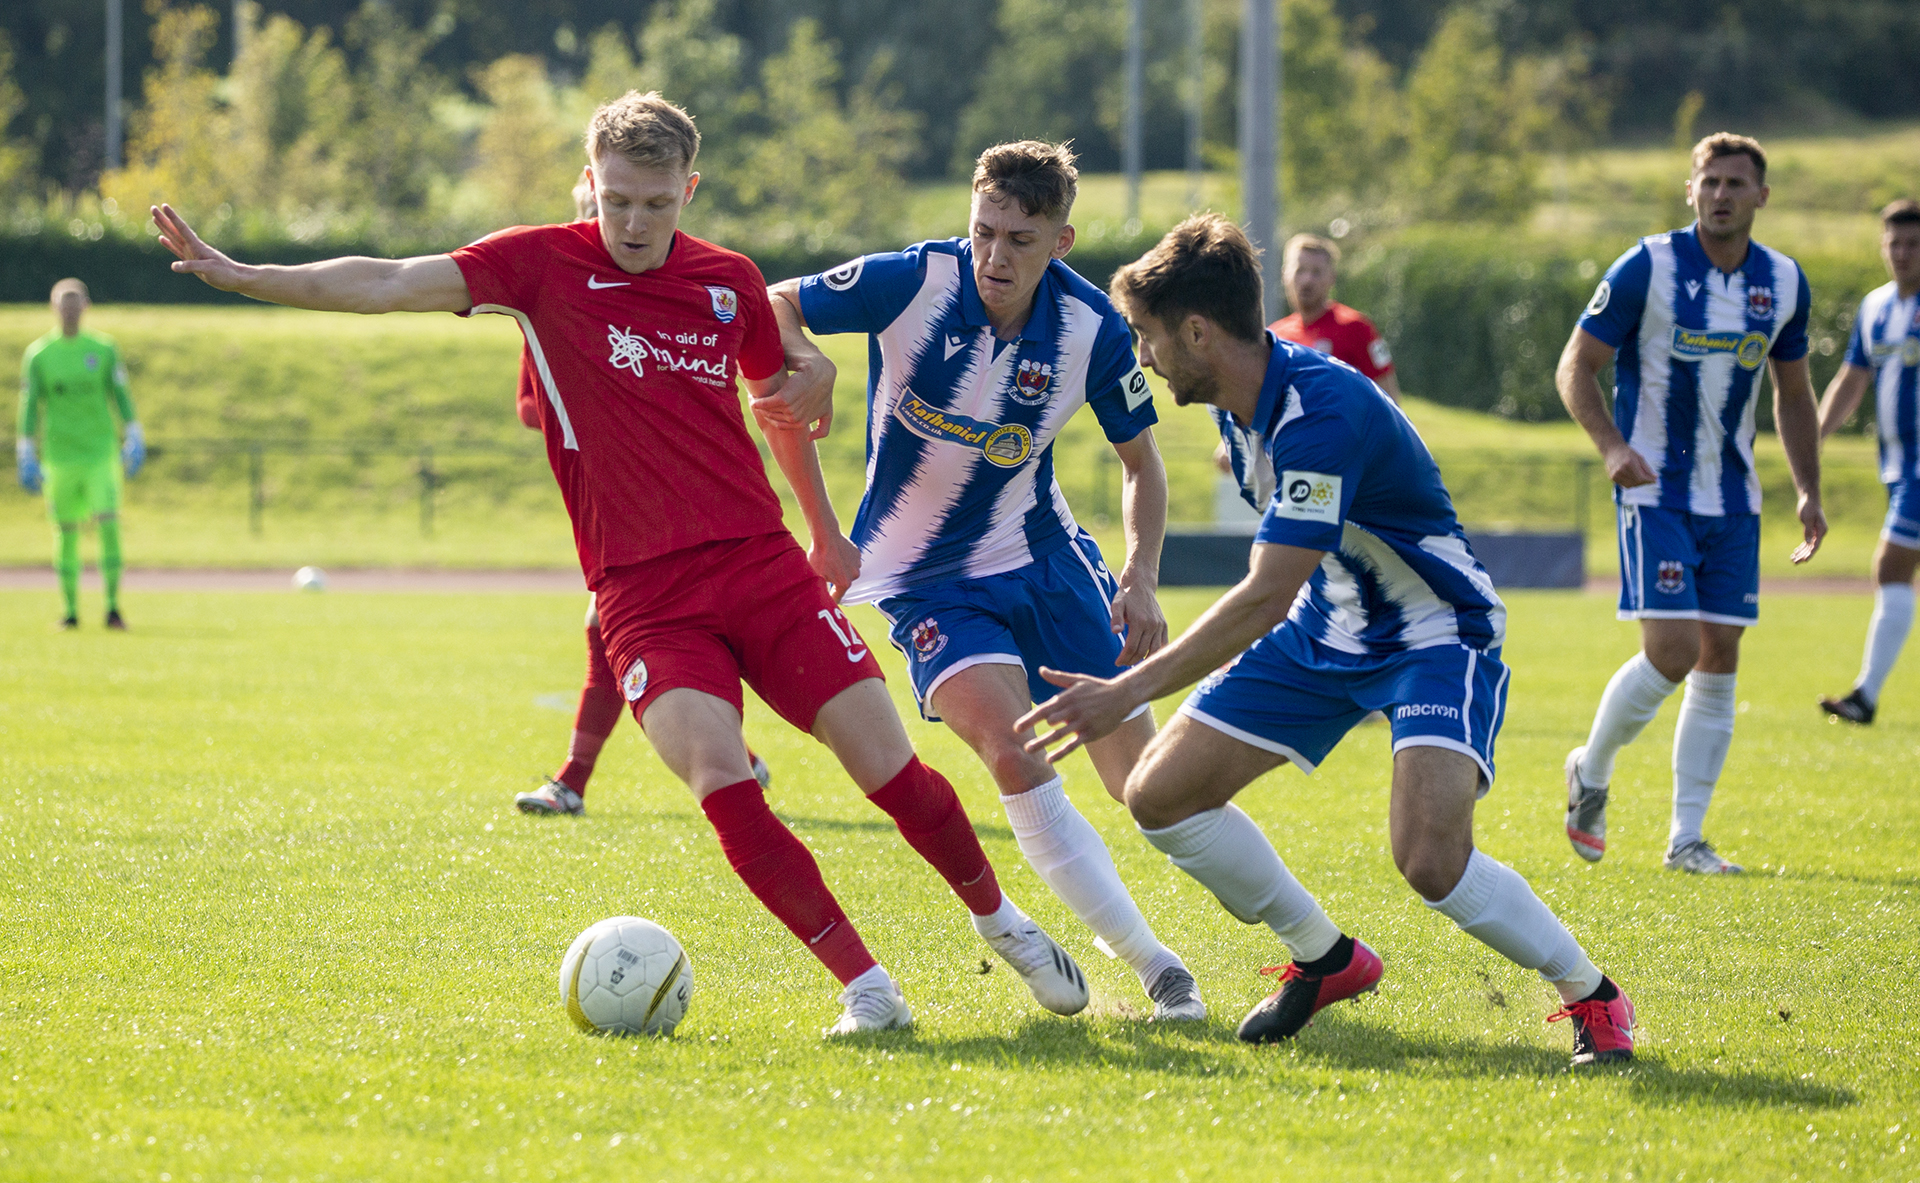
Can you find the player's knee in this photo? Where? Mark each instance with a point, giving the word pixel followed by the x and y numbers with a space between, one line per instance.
pixel 1431 868
pixel 1153 801
pixel 1673 656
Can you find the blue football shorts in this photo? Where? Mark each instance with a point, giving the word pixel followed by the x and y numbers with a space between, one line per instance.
pixel 1291 695
pixel 1903 514
pixel 1056 611
pixel 1676 565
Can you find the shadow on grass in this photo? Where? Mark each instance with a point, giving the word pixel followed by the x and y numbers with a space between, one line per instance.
pixel 878 826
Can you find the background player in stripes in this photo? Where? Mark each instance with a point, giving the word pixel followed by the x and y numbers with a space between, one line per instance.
pixel 640 333
pixel 1362 595
pixel 1688 318
pixel 73 383
pixel 1884 352
pixel 982 349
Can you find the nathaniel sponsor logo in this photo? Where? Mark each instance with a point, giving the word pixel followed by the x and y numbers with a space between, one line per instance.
pixel 1749 349
pixel 1426 710
pixel 632 351
pixel 1004 445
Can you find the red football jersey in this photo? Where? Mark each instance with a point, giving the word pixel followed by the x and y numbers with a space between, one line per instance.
pixel 643 423
pixel 1343 333
pixel 526 396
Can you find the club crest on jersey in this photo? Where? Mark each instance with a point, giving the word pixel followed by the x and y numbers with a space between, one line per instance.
pixel 635 683
pixel 1672 579
pixel 1749 349
pixel 1004 445
pixel 1760 303
pixel 928 640
pixel 1031 382
pixel 726 304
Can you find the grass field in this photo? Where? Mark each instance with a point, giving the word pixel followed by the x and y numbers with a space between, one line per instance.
pixel 271 918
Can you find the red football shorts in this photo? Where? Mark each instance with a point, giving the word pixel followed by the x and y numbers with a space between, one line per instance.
pixel 707 616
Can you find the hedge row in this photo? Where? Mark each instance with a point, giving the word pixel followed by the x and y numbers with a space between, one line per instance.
pixel 1476 317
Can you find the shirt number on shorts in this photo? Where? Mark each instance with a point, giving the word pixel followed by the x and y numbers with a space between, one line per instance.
pixel 843 628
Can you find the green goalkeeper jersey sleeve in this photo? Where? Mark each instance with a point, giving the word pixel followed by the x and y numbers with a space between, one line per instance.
pixel 72 387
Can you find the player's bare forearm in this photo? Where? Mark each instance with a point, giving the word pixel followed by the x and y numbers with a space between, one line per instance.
pixel 807 398
pixel 1797 419
pixel 1390 382
pixel 426 283
pixel 1577 378
pixel 1143 508
pixel 799 462
pixel 1842 398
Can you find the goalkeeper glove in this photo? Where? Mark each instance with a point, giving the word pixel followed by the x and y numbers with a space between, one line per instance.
pixel 133 453
pixel 29 464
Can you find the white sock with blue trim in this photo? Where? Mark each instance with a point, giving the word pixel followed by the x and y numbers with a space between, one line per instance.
pixel 1630 702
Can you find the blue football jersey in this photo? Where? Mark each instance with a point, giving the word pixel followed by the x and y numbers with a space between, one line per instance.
pixel 960 426
pixel 1692 339
pixel 1336 466
pixel 1886 340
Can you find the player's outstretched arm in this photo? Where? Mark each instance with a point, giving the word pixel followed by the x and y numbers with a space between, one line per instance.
pixel 806 400
pixel 1797 418
pixel 1143 517
pixel 428 283
pixel 1843 397
pixel 1578 380
pixel 1091 708
pixel 832 555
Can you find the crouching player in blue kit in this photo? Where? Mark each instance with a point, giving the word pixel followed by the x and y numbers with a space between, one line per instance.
pixel 981 349
pixel 1363 595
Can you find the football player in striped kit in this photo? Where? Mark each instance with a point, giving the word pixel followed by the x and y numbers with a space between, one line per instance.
pixel 1689 318
pixel 981 349
pixel 1884 352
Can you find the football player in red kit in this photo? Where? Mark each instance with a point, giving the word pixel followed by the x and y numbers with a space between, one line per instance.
pixel 638 333
pixel 601 705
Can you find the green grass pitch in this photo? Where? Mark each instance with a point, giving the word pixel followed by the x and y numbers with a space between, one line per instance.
pixel 270 917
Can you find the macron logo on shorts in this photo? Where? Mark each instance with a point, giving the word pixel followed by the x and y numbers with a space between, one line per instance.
pixel 1423 710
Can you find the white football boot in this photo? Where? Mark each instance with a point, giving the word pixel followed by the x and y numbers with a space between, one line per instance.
pixel 1176 997
pixel 873 1008
pixel 761 772
pixel 1698 858
pixel 1049 972
pixel 550 798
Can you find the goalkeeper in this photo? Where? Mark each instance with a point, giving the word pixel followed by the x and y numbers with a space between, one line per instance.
pixel 72 383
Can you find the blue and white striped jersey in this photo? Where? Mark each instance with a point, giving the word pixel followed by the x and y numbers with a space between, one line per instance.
pixel 1691 341
pixel 1337 467
pixel 1886 340
pixel 960 426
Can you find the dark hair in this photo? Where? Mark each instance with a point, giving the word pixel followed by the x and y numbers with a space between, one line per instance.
pixel 1726 143
pixel 646 129
pixel 1204 265
pixel 1904 212
pixel 1038 175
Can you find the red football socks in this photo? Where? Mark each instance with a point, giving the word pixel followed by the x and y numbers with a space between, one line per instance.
pixel 600 705
pixel 931 819
pixel 779 870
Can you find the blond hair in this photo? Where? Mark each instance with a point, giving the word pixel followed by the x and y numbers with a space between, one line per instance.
pixel 1038 175
pixel 1310 242
pixel 1726 143
pixel 647 130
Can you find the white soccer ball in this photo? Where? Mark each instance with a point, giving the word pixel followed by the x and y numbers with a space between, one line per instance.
pixel 310 579
pixel 626 976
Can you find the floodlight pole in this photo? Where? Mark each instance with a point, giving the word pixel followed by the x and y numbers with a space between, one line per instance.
pixel 1196 94
pixel 113 84
pixel 1136 86
pixel 1260 142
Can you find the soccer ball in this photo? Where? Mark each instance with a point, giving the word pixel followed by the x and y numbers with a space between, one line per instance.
pixel 626 976
pixel 310 579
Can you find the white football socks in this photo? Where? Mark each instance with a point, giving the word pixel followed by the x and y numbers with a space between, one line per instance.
pixel 1700 743
pixel 1886 634
pixel 1227 853
pixel 1005 919
pixel 1073 860
pixel 1631 700
pixel 875 978
pixel 1493 904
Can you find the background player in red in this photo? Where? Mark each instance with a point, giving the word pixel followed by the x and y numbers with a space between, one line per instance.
pixel 638 333
pixel 601 704
pixel 1324 323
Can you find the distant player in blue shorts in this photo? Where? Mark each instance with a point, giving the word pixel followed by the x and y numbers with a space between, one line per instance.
pixel 1689 318
pixel 1885 352
pixel 1362 595
pixel 980 351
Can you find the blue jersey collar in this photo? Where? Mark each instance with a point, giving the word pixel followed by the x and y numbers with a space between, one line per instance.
pixel 973 313
pixel 1689 244
pixel 1279 365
